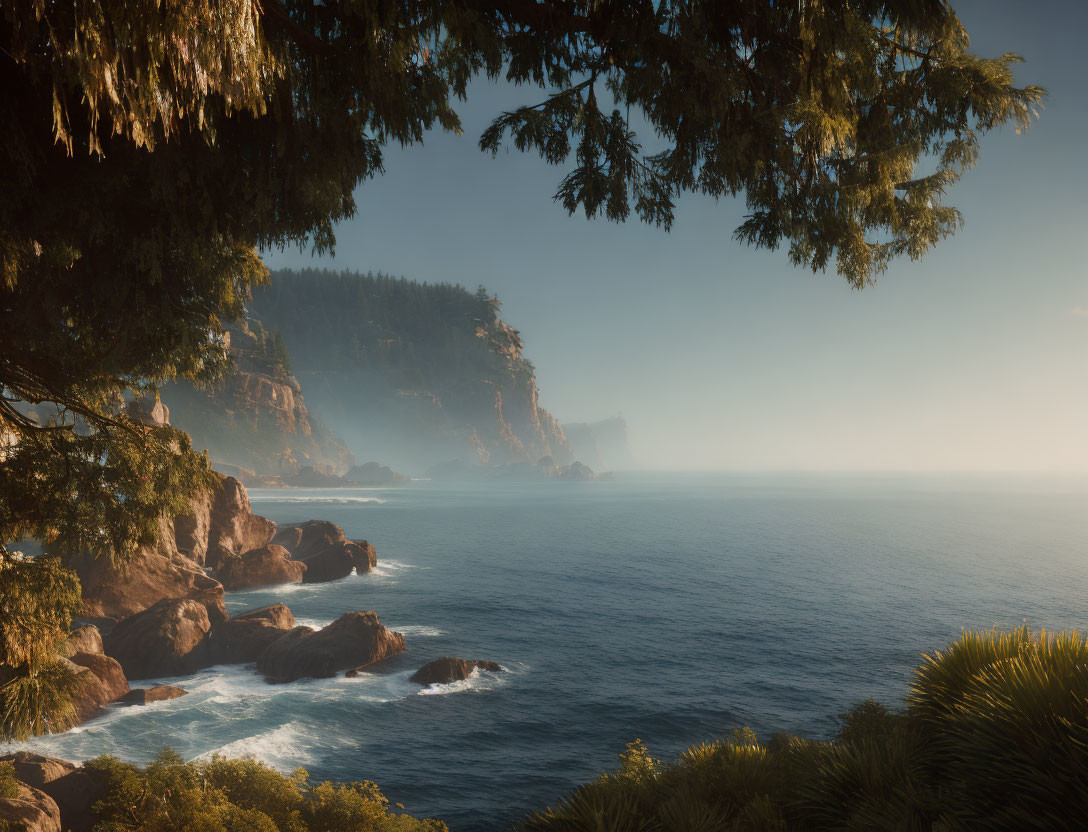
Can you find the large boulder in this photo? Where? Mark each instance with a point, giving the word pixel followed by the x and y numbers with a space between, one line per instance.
pixel 327 553
pixel 446 670
pixel 99 681
pixel 270 565
pixel 243 638
pixel 118 590
pixel 218 524
pixel 356 639
pixel 73 789
pixel 167 639
pixel 85 639
pixel 30 810
pixel 278 615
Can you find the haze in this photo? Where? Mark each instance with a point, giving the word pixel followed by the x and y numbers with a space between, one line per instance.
pixel 725 357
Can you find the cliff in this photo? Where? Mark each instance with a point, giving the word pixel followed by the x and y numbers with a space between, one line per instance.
pixel 603 446
pixel 411 373
pixel 257 418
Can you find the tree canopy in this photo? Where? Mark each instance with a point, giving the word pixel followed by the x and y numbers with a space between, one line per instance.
pixel 151 149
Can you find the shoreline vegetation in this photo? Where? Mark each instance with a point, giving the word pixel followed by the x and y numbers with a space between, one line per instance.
pixel 993 736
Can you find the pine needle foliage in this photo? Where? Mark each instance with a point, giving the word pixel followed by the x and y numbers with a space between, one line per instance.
pixel 993 738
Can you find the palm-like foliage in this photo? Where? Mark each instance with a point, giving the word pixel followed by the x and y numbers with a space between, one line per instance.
pixel 1007 718
pixel 995 738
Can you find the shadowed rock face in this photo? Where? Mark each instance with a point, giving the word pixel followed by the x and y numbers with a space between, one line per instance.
pixel 328 555
pixel 32 810
pixel 356 639
pixel 446 670
pixel 73 789
pixel 101 680
pixel 168 639
pixel 220 524
pixel 243 638
pixel 270 565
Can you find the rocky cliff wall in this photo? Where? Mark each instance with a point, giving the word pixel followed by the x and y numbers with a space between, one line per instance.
pixel 412 374
pixel 257 418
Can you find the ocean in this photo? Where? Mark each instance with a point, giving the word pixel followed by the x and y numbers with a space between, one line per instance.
pixel 667 607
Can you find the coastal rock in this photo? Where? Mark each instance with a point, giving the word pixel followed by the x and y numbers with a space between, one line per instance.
pixel 31 810
pixel 119 590
pixel 158 693
pixel 85 639
pixel 269 565
pixel 99 681
pixel 354 640
pixel 366 558
pixel 576 471
pixel 167 639
pixel 219 524
pixel 148 410
pixel 446 670
pixel 373 474
pixel 278 615
pixel 72 788
pixel 233 527
pixel 243 638
pixel 328 555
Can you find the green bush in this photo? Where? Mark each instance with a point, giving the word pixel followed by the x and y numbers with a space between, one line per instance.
pixel 995 737
pixel 238 796
pixel 9 784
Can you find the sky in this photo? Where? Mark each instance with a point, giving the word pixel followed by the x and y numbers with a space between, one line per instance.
pixel 725 357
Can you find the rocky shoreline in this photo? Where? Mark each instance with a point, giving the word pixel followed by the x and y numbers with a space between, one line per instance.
pixel 162 614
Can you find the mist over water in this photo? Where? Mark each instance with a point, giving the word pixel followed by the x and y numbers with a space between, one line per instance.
pixel 668 607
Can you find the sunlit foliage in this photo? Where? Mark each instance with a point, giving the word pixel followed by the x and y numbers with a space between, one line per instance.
pixel 237 796
pixel 993 738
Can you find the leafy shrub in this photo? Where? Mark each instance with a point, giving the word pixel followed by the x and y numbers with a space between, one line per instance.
pixel 238 796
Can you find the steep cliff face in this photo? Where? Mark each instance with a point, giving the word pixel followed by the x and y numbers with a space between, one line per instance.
pixel 603 446
pixel 412 374
pixel 257 419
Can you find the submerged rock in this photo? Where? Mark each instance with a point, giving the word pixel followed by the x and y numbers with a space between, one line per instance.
pixel 158 693
pixel 446 670
pixel 354 640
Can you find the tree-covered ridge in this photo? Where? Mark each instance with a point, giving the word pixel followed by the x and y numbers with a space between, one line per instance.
pixel 411 373
pixel 425 334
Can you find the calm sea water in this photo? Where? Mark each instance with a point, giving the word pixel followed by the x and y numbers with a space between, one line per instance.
pixel 673 608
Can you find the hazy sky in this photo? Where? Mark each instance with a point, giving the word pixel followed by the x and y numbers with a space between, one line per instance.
pixel 720 356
